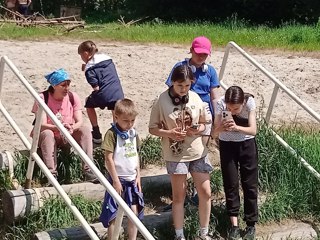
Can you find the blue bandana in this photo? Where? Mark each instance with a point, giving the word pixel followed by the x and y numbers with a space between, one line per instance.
pixel 57 77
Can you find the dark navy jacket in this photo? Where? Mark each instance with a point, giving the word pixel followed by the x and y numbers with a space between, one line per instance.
pixel 104 75
pixel 110 207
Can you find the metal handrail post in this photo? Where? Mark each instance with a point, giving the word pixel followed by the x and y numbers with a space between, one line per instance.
pixel 224 63
pixel 272 101
pixel 2 64
pixel 117 224
pixel 34 146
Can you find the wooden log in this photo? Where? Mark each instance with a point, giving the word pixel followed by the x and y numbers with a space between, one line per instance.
pixel 42 22
pixel 156 180
pixel 20 203
pixel 73 233
pixel 7 161
pixel 151 222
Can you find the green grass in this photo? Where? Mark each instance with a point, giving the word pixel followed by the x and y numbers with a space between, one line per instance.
pixel 290 190
pixel 150 152
pixel 291 37
pixel 53 215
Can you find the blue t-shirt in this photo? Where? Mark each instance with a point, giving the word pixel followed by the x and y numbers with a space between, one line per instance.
pixel 205 81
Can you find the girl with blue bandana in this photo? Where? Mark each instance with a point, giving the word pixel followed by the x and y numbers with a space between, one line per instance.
pixel 67 107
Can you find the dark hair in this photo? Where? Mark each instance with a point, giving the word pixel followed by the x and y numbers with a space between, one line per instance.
pixel 235 95
pixel 51 89
pixel 87 46
pixel 182 73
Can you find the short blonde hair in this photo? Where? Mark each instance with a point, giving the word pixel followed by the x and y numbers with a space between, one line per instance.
pixel 125 106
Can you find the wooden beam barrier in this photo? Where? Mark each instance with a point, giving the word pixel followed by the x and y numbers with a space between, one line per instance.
pixel 20 203
pixel 73 233
pixel 7 161
pixel 151 221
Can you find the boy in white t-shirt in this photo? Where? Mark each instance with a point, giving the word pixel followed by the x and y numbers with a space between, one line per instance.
pixel 122 162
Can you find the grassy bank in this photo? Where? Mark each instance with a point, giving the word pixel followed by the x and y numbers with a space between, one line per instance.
pixel 290 190
pixel 290 37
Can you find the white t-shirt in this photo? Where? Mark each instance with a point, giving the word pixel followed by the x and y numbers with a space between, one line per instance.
pixel 249 106
pixel 125 153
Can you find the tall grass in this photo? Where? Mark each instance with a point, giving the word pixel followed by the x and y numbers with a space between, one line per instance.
pixel 54 214
pixel 150 152
pixel 291 190
pixel 290 36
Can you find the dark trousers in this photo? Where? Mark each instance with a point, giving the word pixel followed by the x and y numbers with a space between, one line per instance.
pixel 240 155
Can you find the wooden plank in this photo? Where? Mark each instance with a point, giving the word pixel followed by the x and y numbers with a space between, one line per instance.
pixel 151 222
pixel 20 203
pixel 73 233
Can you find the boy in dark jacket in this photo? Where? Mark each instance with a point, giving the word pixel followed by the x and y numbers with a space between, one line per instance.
pixel 102 75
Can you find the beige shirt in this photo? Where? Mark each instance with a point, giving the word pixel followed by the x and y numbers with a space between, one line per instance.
pixel 166 115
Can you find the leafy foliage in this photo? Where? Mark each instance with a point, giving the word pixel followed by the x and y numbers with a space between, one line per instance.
pixel 257 12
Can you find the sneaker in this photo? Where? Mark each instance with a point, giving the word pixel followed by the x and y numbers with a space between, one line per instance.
pixel 89 176
pixel 249 233
pixel 210 236
pixel 234 233
pixel 96 137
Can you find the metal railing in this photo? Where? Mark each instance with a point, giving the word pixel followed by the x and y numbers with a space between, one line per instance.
pixel 34 157
pixel 277 85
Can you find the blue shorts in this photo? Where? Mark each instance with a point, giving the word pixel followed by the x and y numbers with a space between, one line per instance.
pixel 201 165
pixel 95 101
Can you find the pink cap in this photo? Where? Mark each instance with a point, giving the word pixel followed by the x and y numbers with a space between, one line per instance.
pixel 201 45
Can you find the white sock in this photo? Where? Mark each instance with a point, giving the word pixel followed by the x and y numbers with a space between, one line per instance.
pixel 179 233
pixel 204 231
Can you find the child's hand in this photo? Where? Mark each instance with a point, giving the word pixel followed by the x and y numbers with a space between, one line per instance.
pixel 69 127
pixel 138 183
pixel 230 126
pixel 117 186
pixel 178 134
pixel 193 130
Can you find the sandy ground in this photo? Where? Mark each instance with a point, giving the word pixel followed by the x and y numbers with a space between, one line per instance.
pixel 143 70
